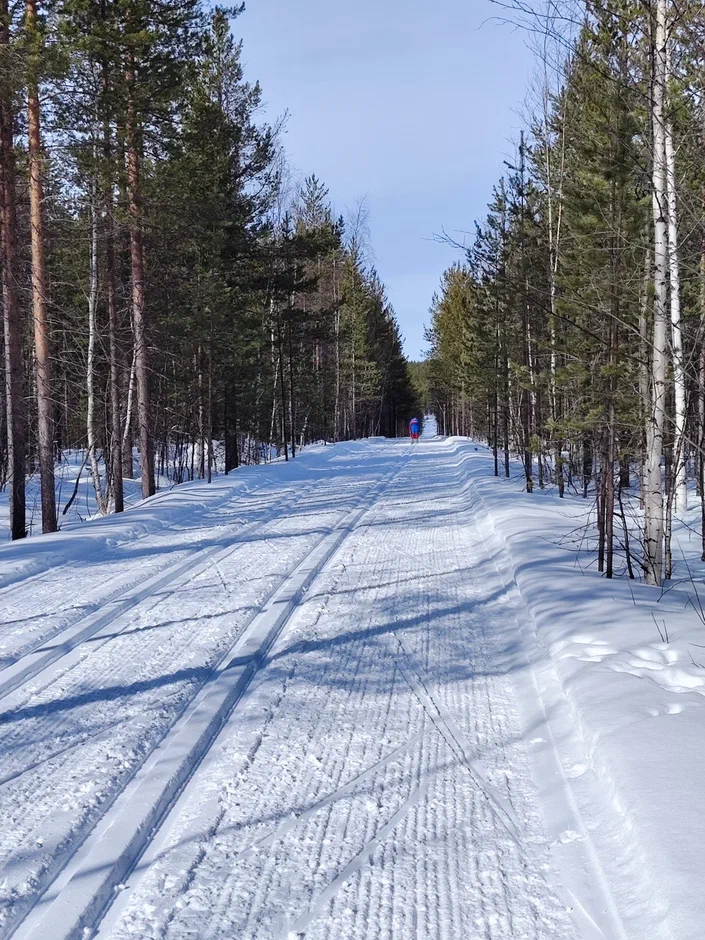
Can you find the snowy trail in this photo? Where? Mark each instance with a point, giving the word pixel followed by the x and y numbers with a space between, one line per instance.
pixel 55 599
pixel 331 805
pixel 374 778
pixel 99 622
pixel 71 738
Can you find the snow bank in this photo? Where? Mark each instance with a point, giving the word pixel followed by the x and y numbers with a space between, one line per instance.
pixel 172 506
pixel 626 660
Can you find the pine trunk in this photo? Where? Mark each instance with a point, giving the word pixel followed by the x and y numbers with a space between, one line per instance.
pixel 42 354
pixel 116 452
pixel 16 426
pixel 138 299
pixel 90 359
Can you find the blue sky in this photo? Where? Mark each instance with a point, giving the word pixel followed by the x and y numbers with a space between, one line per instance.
pixel 409 103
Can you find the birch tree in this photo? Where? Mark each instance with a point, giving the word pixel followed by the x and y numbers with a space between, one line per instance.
pixel 653 495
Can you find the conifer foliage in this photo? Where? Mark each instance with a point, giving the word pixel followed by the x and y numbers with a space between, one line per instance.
pixel 572 335
pixel 165 294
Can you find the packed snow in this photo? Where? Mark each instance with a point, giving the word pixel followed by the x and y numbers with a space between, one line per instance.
pixel 368 693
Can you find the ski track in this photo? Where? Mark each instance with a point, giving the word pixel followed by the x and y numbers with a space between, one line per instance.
pixel 73 736
pixel 60 596
pixel 337 801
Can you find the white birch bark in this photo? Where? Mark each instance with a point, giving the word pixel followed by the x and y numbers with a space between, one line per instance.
pixel 90 363
pixel 653 497
pixel 679 466
pixel 130 401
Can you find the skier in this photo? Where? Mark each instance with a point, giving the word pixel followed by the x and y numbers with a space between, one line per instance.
pixel 414 429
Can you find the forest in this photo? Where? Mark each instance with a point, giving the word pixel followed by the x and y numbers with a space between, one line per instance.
pixel 572 333
pixel 175 300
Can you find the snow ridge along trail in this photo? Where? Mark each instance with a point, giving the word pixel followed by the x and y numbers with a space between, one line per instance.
pixel 78 631
pixel 123 582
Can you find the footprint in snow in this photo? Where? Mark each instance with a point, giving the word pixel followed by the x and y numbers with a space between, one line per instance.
pixel 568 836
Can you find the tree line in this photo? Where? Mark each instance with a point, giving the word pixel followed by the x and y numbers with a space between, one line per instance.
pixel 573 332
pixel 166 290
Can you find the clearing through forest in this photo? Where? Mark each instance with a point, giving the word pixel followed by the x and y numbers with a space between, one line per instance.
pixel 318 700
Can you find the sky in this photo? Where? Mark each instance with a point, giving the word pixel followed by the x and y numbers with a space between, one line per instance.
pixel 410 104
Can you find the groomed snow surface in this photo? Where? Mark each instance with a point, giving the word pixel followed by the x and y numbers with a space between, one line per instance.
pixel 365 694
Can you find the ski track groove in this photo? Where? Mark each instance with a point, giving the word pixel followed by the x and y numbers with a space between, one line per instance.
pixel 125 586
pixel 24 809
pixel 324 711
pixel 234 493
pixel 69 571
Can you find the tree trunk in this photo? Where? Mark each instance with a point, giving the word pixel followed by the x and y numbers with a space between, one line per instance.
pixel 292 395
pixel 701 420
pixel 209 413
pixel 137 272
pixel 680 483
pixel 127 467
pixel 609 490
pixel 653 496
pixel 645 351
pixel 336 302
pixel 526 395
pixel 282 390
pixel 701 387
pixel 12 323
pixel 42 355
pixel 111 288
pixel 90 359
pixel 587 465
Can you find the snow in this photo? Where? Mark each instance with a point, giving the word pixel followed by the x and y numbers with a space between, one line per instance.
pixel 366 693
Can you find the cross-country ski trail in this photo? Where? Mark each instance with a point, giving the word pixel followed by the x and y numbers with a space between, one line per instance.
pixel 320 731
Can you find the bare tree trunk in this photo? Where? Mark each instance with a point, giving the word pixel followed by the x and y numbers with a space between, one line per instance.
pixel 653 496
pixel 587 465
pixel 336 301
pixel 275 371
pixel 354 386
pixel 284 431
pixel 138 302
pixel 292 394
pixel 680 483
pixel 701 423
pixel 554 224
pixel 526 395
pixel 504 347
pixel 495 406
pixel 645 351
pixel 209 416
pixel 42 356
pixel 201 411
pixel 600 503
pixel 90 359
pixel 625 531
pixel 12 323
pixel 668 515
pixel 127 431
pixel 609 467
pixel 701 390
pixel 115 417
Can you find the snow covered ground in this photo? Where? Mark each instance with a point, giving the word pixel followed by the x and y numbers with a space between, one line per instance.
pixel 75 493
pixel 365 694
